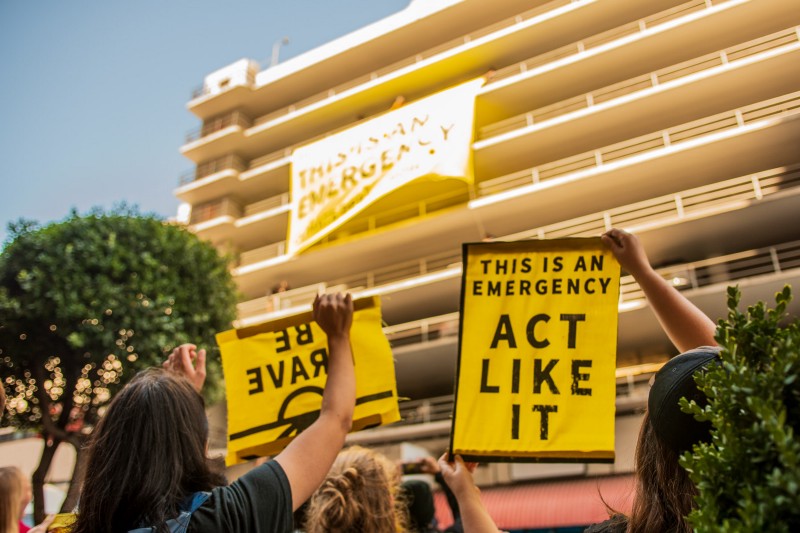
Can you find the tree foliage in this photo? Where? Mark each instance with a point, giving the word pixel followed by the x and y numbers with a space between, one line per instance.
pixel 86 302
pixel 748 476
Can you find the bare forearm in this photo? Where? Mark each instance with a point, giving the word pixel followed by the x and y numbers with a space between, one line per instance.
pixel 685 325
pixel 338 400
pixel 474 516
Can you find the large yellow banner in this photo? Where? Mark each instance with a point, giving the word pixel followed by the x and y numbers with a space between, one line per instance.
pixel 275 374
pixel 537 352
pixel 337 177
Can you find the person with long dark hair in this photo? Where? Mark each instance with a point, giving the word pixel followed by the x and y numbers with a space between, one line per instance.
pixel 147 468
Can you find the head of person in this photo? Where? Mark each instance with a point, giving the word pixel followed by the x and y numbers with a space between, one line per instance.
pixel 359 494
pixel 664 492
pixel 146 455
pixel 15 494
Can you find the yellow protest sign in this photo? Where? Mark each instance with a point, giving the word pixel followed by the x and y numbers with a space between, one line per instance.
pixel 537 352
pixel 335 178
pixel 275 374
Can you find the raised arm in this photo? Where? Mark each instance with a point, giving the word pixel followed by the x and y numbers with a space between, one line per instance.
pixel 308 458
pixel 685 325
pixel 458 476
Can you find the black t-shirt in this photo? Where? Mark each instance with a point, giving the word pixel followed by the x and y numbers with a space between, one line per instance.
pixel 259 502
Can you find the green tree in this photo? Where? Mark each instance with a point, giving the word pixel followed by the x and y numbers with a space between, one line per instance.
pixel 748 476
pixel 87 302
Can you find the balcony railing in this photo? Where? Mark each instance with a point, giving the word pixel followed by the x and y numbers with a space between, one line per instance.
pixel 228 162
pixel 379 220
pixel 672 208
pixel 774 108
pixel 643 82
pixel 411 60
pixel 236 118
pixel 580 47
pixel 266 205
pixel 661 211
pixel 202 90
pixel 722 270
pixel 215 209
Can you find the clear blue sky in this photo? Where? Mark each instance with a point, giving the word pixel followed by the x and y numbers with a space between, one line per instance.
pixel 93 93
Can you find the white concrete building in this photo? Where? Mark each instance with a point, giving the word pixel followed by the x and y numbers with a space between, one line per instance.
pixel 679 120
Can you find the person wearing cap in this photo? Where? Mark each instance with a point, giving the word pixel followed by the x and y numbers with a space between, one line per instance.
pixel 664 494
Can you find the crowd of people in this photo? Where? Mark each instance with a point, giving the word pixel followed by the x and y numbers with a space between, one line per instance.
pixel 147 467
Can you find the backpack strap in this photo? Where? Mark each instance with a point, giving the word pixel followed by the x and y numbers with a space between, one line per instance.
pixel 180 524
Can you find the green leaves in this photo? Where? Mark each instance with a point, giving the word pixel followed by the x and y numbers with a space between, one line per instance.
pixel 87 302
pixel 748 475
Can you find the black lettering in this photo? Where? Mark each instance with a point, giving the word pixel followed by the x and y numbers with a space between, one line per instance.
pixel 541 376
pixel 573 286
pixel 504 332
pixel 510 287
pixel 255 380
pixel 604 286
pixel 577 377
pixel 531 333
pixel 477 288
pixel 558 263
pixel 580 265
pixel 524 287
pixel 495 288
pixel 277 380
pixel 515 421
pixel 573 327
pixel 526 265
pixel 589 282
pixel 485 387
pixel 597 262
pixel 515 376
pixel 304 334
pixel 501 266
pixel 319 360
pixel 557 285
pixel 541 286
pixel 486 263
pixel 298 369
pixel 282 340
pixel 544 428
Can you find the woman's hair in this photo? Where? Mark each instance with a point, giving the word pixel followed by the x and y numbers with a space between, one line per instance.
pixel 664 491
pixel 360 494
pixel 11 488
pixel 147 454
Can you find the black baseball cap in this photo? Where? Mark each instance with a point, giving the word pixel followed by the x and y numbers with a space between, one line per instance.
pixel 674 381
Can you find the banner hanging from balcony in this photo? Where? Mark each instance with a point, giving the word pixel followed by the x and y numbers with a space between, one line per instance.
pixel 336 178
pixel 537 352
pixel 275 374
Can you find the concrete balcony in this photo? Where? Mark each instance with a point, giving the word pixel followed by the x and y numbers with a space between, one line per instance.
pixel 694 89
pixel 712 213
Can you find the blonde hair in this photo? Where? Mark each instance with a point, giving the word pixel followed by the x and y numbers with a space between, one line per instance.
pixel 360 494
pixel 11 488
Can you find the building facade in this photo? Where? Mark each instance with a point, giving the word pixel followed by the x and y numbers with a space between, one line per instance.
pixel 677 120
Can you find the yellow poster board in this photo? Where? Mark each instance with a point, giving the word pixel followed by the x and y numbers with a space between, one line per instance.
pixel 275 374
pixel 537 352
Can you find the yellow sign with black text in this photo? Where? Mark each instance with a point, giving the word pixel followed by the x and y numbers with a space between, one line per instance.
pixel 275 374
pixel 537 352
pixel 335 178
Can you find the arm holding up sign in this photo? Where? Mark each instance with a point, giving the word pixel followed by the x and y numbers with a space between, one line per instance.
pixel 458 476
pixel 308 458
pixel 685 325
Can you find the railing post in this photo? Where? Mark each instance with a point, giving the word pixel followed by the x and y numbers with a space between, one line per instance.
pixel 776 263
